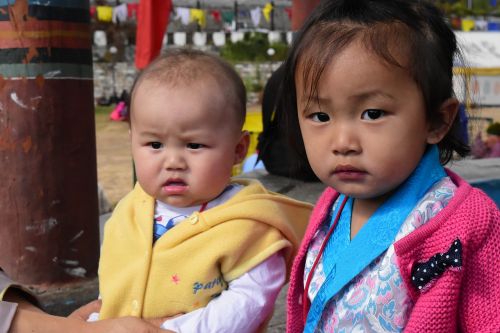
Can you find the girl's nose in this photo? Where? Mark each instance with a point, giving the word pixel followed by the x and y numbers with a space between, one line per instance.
pixel 346 141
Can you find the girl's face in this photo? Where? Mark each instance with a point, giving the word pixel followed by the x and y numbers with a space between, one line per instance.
pixel 369 130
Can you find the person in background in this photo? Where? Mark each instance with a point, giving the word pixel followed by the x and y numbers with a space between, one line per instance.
pixel 189 241
pixel 18 314
pixel 274 149
pixel 396 242
pixel 490 147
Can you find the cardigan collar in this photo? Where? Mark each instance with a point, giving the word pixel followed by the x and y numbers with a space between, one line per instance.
pixel 343 259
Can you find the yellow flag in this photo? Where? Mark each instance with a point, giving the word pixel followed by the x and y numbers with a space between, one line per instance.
pixel 198 15
pixel 268 8
pixel 104 13
pixel 467 24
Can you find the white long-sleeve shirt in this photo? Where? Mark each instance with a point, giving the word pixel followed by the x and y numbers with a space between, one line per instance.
pixel 248 301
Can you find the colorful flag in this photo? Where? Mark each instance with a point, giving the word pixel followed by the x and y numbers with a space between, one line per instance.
pixel 198 15
pixel 227 16
pixel 268 8
pixel 182 13
pixel 152 21
pixel 216 15
pixel 132 9
pixel 104 13
pixel 467 24
pixel 256 13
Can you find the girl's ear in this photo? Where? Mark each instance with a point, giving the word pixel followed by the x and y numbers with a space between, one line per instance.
pixel 448 111
pixel 242 147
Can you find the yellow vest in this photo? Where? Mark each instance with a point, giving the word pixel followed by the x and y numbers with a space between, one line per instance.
pixel 193 262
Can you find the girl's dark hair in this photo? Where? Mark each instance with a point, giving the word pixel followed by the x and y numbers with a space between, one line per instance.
pixel 416 28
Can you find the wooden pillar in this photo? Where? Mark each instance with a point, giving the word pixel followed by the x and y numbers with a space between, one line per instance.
pixel 300 11
pixel 48 198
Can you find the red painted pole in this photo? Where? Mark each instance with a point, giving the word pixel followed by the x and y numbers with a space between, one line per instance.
pixel 48 198
pixel 300 11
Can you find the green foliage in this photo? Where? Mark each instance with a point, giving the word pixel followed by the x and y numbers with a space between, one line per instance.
pixel 252 85
pixel 281 50
pixel 253 48
pixel 493 129
pixel 99 109
pixel 460 8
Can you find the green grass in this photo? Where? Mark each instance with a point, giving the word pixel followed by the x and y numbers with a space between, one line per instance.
pixel 102 115
pixel 103 109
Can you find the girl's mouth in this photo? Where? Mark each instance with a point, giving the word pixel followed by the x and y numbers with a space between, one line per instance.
pixel 346 168
pixel 348 173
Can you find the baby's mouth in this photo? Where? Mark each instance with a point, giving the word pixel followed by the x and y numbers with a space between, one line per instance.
pixel 175 182
pixel 174 186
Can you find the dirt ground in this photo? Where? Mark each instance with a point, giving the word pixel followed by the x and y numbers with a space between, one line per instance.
pixel 114 161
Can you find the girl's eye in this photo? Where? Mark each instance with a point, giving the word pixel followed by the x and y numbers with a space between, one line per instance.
pixel 372 114
pixel 195 145
pixel 320 117
pixel 155 145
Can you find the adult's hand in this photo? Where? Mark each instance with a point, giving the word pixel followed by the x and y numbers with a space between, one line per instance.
pixel 119 325
pixel 123 325
pixel 27 321
pixel 84 311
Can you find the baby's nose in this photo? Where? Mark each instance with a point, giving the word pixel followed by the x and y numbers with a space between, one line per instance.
pixel 174 161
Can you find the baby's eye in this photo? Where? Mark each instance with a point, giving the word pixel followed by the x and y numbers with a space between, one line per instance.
pixel 319 117
pixel 195 145
pixel 372 114
pixel 155 145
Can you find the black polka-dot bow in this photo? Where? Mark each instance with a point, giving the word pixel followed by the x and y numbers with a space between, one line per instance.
pixel 424 272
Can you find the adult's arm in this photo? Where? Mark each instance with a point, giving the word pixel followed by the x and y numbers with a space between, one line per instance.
pixel 37 322
pixel 9 294
pixel 23 317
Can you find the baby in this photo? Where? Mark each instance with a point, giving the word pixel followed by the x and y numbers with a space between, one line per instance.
pixel 188 241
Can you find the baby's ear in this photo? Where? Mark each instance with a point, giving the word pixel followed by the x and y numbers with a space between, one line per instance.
pixel 242 147
pixel 448 111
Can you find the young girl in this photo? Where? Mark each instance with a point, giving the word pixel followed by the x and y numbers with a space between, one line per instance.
pixel 396 242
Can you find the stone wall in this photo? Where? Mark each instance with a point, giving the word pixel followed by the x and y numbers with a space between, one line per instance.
pixel 112 78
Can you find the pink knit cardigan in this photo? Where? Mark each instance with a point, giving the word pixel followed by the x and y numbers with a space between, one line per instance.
pixel 460 300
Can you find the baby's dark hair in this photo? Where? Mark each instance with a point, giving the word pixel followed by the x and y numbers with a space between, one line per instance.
pixel 416 29
pixel 183 66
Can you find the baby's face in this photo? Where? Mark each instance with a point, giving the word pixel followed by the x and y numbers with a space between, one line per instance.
pixel 185 141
